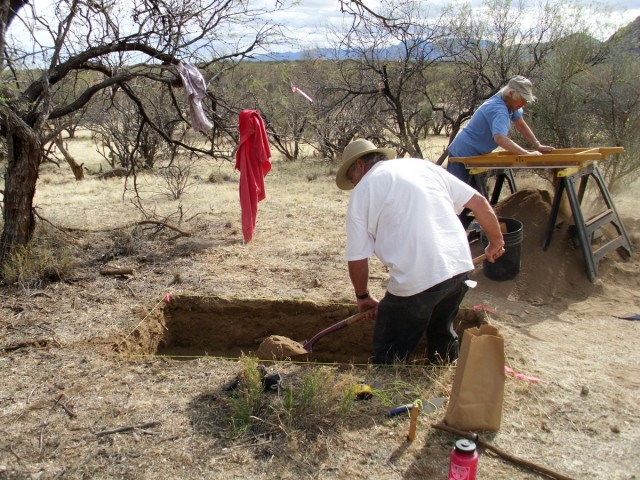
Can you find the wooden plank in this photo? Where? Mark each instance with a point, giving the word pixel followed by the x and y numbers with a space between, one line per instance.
pixel 558 158
pixel 502 155
pixel 588 150
pixel 527 161
pixel 568 151
pixel 609 150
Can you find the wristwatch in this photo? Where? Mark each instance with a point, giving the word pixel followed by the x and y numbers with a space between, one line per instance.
pixel 362 296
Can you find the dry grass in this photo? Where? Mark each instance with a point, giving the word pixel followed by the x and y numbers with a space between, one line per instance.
pixel 63 388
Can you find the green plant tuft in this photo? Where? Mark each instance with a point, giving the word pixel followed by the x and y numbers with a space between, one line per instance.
pixel 303 402
pixel 248 399
pixel 46 258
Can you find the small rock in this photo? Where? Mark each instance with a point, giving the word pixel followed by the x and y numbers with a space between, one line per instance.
pixel 584 391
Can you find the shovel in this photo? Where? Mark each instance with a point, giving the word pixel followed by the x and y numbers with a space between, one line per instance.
pixel 478 259
pixel 308 345
pixel 283 347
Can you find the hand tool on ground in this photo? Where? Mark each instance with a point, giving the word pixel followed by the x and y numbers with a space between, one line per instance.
pixel 415 411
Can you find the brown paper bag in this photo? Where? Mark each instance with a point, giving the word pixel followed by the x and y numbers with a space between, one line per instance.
pixel 478 385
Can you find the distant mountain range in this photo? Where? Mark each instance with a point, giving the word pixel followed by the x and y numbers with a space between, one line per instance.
pixel 295 56
pixel 626 38
pixel 396 51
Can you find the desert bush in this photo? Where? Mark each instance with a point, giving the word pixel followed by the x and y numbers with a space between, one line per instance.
pixel 48 257
pixel 126 242
pixel 215 177
pixel 301 403
pixel 177 174
pixel 123 136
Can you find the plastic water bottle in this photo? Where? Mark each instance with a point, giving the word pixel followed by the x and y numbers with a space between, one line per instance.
pixel 464 461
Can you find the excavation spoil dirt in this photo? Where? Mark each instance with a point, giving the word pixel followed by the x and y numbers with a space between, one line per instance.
pixel 277 347
pixel 558 272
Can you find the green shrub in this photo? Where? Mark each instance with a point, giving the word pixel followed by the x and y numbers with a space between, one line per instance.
pixel 301 403
pixel 248 399
pixel 46 258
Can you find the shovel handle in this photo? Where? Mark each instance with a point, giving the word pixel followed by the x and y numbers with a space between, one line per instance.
pixel 308 346
pixel 476 261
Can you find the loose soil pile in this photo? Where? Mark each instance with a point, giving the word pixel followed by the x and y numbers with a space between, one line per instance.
pixel 277 347
pixel 545 276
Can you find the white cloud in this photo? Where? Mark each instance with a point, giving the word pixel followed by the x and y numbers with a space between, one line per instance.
pixel 307 21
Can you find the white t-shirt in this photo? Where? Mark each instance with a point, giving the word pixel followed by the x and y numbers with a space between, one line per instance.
pixel 405 211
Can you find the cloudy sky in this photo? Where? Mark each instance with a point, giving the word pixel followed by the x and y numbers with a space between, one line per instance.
pixel 304 18
pixel 308 21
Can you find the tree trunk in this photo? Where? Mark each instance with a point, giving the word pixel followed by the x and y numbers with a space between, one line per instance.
pixel 24 158
pixel 77 170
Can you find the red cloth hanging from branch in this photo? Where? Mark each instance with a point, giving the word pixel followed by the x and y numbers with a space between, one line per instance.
pixel 253 160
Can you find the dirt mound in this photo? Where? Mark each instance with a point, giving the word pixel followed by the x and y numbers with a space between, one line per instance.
pixel 555 274
pixel 277 347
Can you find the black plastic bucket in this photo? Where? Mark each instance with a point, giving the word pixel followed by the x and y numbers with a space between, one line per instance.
pixel 508 265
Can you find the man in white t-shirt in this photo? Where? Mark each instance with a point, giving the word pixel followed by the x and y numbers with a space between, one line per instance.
pixel 405 212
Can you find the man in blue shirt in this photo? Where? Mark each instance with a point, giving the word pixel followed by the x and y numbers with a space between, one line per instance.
pixel 489 127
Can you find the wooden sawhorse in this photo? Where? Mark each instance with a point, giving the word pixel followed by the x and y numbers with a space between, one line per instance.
pixel 587 228
pixel 572 165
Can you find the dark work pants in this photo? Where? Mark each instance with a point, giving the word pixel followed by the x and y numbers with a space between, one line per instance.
pixel 459 170
pixel 402 321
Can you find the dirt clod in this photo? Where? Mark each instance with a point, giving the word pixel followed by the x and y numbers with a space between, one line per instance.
pixel 277 347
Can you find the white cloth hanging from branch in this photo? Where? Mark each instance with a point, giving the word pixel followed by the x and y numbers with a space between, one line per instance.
pixel 196 89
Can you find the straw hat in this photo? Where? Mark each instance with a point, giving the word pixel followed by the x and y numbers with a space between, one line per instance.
pixel 523 86
pixel 355 150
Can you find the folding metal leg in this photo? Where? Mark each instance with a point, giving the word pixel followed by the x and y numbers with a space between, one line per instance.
pixel 479 182
pixel 586 229
pixel 502 176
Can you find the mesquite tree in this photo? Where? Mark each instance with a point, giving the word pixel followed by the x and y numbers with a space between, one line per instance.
pixel 389 53
pixel 490 46
pixel 445 65
pixel 115 42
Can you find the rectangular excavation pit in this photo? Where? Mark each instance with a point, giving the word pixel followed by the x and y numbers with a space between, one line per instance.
pixel 194 326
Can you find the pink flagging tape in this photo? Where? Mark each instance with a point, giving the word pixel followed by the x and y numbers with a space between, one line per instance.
pixel 297 90
pixel 510 371
pixel 483 307
pixel 167 297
